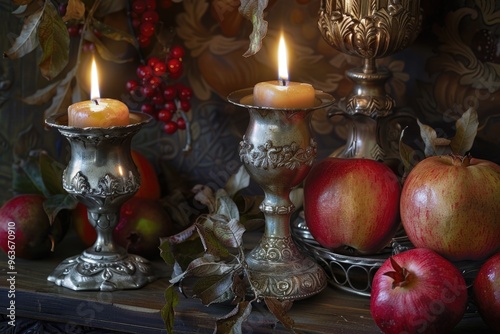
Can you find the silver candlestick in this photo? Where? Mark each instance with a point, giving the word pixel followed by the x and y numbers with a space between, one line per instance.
pixel 102 175
pixel 369 29
pixel 278 151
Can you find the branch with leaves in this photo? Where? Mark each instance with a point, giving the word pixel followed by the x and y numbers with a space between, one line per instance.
pixel 460 144
pixel 211 253
pixel 46 30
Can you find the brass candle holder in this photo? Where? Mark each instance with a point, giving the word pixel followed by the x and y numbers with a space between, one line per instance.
pixel 278 151
pixel 102 175
pixel 369 29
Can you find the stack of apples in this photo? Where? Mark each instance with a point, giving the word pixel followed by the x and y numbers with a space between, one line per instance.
pixel 448 206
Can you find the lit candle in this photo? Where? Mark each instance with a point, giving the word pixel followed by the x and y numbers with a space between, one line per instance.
pixel 282 93
pixel 97 112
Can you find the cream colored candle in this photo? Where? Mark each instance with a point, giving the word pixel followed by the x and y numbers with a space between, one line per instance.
pixel 283 93
pixel 97 112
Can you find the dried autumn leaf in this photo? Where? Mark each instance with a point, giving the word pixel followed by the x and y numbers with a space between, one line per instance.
pixel 54 41
pixel 214 289
pixel 466 131
pixel 239 289
pixel 21 2
pixel 62 98
pixel 211 243
pixel 237 181
pixel 231 322
pixel 230 233
pixel 27 40
pixel 208 266
pixel 225 205
pixel 112 33
pixel 43 95
pixel 428 135
pixel 405 153
pixel 433 144
pixel 279 309
pixel 168 310
pixel 75 10
pixel 253 10
pixel 205 196
pixel 103 50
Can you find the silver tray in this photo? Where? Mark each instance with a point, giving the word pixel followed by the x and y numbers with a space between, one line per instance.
pixel 349 272
pixel 354 272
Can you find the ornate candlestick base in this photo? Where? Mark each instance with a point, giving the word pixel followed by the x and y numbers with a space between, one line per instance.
pixel 109 272
pixel 278 151
pixel 102 175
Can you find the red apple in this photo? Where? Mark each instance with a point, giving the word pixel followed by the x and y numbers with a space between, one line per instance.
pixel 418 291
pixel 451 204
pixel 352 203
pixel 486 289
pixel 142 223
pixel 25 229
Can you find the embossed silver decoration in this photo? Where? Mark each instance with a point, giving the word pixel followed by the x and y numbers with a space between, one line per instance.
pixel 102 175
pixel 278 151
pixel 369 29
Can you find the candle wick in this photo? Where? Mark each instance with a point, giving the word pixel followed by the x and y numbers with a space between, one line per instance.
pixel 96 102
pixel 283 82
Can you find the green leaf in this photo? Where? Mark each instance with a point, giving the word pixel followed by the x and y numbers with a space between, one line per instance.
pixel 466 131
pixel 214 289
pixel 237 181
pixel 55 203
pixel 31 168
pixel 54 41
pixel 231 322
pixel 27 40
pixel 253 10
pixel 21 182
pixel 41 172
pixel 166 252
pixel 111 32
pixel 51 171
pixel 279 309
pixel 168 310
pixel 75 10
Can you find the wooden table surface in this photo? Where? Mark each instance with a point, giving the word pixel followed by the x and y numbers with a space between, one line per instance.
pixel 138 311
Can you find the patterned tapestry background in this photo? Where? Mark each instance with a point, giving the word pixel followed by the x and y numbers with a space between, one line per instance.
pixel 453 64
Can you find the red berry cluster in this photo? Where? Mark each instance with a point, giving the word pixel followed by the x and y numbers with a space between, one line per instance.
pixel 144 19
pixel 164 101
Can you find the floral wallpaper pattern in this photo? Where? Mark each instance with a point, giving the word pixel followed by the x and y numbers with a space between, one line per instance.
pixel 453 64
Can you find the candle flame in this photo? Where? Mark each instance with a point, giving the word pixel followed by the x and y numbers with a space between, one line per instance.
pixel 94 82
pixel 282 61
